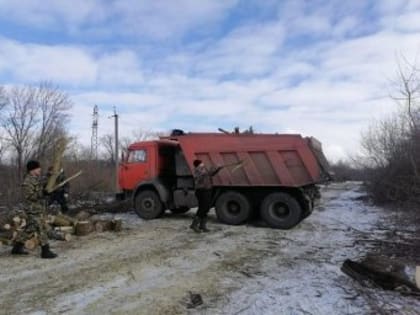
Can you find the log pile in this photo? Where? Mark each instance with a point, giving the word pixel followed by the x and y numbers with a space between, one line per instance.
pixel 10 226
pixel 61 227
pixel 82 224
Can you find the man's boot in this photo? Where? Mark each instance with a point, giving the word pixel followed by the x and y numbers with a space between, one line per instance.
pixel 194 224
pixel 46 252
pixel 18 249
pixel 203 226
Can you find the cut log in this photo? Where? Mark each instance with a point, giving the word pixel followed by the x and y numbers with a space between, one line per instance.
pixel 5 241
pixel 108 225
pixel 7 234
pixel 83 228
pixel 59 236
pixel 366 274
pixel 67 229
pixel 82 215
pixel 385 264
pixel 16 220
pixel 117 225
pixel 32 243
pixel 63 220
pixel 67 237
pixel 103 225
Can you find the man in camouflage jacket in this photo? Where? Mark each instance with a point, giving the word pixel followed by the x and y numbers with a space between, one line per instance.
pixel 203 191
pixel 35 208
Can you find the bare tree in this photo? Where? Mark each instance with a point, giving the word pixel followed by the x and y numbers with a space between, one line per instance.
pixel 107 142
pixel 3 140
pixel 33 118
pixel 53 110
pixel 76 151
pixel 125 143
pixel 19 122
pixel 408 97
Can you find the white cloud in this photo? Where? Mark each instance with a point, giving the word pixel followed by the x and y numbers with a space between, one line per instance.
pixel 408 22
pixel 329 88
pixel 246 51
pixel 33 62
pixel 159 19
pixel 120 68
pixel 69 65
pixel 166 19
pixel 51 14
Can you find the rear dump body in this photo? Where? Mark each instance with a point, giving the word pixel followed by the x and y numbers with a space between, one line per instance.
pixel 270 176
pixel 268 160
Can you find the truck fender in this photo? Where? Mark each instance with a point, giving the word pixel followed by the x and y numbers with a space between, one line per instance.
pixel 155 184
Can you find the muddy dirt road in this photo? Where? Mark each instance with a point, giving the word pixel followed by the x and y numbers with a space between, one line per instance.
pixel 151 267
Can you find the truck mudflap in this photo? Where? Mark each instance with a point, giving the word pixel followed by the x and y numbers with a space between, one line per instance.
pixel 311 197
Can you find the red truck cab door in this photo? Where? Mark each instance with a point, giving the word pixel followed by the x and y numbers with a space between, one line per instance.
pixel 136 168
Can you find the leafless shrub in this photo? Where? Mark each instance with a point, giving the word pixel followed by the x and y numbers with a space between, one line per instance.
pixel 391 146
pixel 346 171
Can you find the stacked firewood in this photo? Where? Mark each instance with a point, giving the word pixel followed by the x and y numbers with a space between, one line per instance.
pixel 81 224
pixel 60 227
pixel 10 226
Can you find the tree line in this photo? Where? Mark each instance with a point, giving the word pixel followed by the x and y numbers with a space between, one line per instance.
pixel 32 119
pixel 389 163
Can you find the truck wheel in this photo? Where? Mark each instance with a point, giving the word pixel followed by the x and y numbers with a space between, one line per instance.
pixel 281 211
pixel 148 205
pixel 180 210
pixel 233 208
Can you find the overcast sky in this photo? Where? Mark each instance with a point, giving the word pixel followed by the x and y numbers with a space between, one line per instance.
pixel 319 68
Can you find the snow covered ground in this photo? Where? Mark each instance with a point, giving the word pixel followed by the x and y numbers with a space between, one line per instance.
pixel 151 267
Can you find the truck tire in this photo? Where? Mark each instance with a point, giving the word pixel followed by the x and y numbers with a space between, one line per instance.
pixel 148 205
pixel 281 211
pixel 233 208
pixel 180 210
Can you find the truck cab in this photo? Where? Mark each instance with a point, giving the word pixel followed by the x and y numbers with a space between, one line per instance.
pixel 157 177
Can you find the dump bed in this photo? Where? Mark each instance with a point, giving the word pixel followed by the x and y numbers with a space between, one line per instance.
pixel 268 159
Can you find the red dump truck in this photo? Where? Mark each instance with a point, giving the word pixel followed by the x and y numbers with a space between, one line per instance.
pixel 276 178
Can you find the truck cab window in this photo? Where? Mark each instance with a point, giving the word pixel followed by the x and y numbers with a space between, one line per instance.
pixel 137 156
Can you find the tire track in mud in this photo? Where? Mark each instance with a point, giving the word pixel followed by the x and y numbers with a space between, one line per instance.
pixel 90 270
pixel 168 295
pixel 237 269
pixel 131 257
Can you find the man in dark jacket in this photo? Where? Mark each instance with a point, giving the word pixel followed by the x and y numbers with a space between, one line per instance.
pixel 60 195
pixel 204 193
pixel 35 208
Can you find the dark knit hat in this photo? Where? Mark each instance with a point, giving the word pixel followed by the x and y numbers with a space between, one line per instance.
pixel 197 163
pixel 32 165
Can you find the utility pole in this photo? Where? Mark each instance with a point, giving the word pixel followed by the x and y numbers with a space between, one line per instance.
pixel 94 139
pixel 117 188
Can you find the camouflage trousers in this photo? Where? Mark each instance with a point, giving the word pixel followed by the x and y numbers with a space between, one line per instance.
pixel 35 226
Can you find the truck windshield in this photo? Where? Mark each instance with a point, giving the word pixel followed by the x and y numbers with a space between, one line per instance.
pixel 137 156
